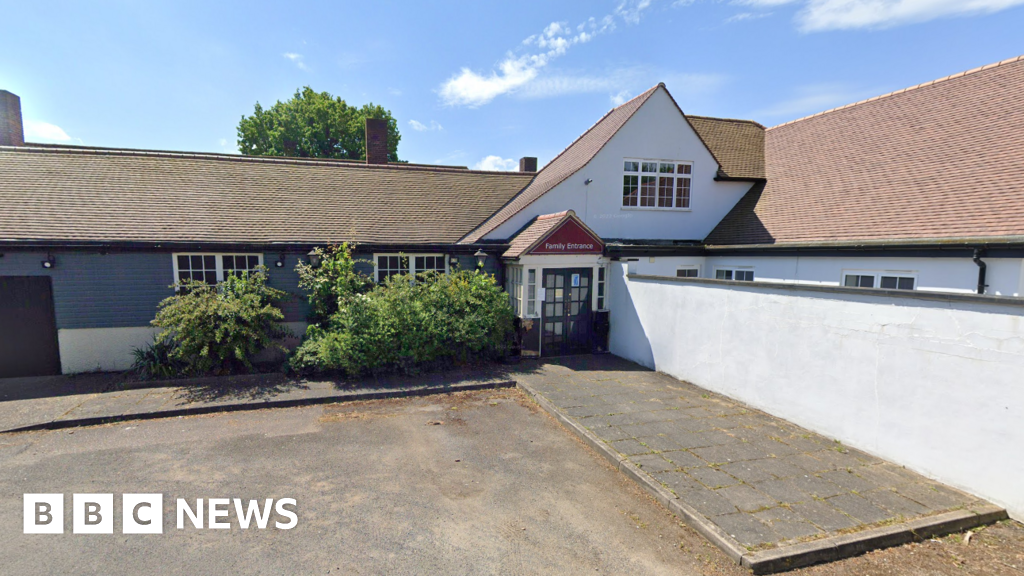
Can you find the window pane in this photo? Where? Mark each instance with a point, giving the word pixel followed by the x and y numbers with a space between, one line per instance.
pixel 182 276
pixel 600 303
pixel 889 282
pixel 723 274
pixel 867 281
pixel 183 263
pixel 420 263
pixel 254 261
pixel 648 185
pixel 210 277
pixel 687 272
pixel 228 262
pixel 629 190
pixel 745 275
pixel 850 280
pixel 905 284
pixel 684 168
pixel 650 167
pixel 630 166
pixel 210 262
pixel 665 192
pixel 683 193
pixel 197 263
pixel 667 168
pixel 600 274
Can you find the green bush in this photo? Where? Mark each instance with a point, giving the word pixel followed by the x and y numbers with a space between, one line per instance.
pixel 218 329
pixel 409 325
pixel 153 362
pixel 333 281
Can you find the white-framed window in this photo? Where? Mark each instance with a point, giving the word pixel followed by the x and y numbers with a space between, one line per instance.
pixel 901 280
pixel 741 274
pixel 514 287
pixel 602 288
pixel 388 265
pixel 213 268
pixel 689 271
pixel 656 184
pixel 531 292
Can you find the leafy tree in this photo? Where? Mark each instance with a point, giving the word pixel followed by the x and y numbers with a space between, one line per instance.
pixel 313 125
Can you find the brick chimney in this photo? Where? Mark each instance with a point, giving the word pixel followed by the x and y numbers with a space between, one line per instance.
pixel 376 141
pixel 528 164
pixel 11 131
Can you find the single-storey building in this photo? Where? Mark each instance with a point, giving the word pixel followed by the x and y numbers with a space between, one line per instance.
pixel 914 190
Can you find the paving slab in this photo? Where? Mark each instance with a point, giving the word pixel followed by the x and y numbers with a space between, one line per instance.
pixel 771 494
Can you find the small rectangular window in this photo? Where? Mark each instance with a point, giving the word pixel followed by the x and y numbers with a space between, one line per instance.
pixel 649 167
pixel 213 268
pixel 630 190
pixel 531 292
pixel 687 272
pixel 897 283
pixel 388 266
pixel 734 274
pixel 682 193
pixel 602 289
pixel 884 280
pixel 631 166
pixel 647 190
pixel 665 192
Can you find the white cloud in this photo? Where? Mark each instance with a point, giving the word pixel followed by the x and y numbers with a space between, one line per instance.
pixel 514 72
pixel 36 131
pixel 621 98
pixel 819 15
pixel 394 91
pixel 747 16
pixel 497 163
pixel 296 59
pixel 421 127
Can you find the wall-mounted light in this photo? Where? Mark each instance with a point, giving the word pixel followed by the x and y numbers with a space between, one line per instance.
pixel 50 261
pixel 314 258
pixel 588 181
pixel 280 261
pixel 481 257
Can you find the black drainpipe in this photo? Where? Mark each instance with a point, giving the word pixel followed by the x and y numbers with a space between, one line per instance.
pixel 981 270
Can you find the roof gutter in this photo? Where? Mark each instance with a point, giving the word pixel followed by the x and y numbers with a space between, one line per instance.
pixel 157 246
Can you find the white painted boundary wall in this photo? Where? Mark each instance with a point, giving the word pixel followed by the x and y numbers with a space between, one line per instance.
pixel 937 386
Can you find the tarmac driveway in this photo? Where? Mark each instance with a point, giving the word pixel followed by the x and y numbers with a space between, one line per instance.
pixel 468 483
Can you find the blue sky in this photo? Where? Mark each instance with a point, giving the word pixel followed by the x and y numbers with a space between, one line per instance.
pixel 473 83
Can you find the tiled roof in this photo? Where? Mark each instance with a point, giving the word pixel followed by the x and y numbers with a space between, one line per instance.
pixel 567 163
pixel 74 194
pixel 534 231
pixel 737 144
pixel 943 160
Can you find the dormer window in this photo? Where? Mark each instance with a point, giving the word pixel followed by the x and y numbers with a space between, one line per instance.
pixel 656 184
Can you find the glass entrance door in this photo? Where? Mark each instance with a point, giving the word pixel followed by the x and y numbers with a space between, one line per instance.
pixel 567 315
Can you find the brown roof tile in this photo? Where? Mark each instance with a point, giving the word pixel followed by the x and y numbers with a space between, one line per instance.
pixel 738 145
pixel 67 194
pixel 942 160
pixel 534 231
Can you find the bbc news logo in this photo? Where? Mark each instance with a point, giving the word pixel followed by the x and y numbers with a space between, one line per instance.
pixel 144 513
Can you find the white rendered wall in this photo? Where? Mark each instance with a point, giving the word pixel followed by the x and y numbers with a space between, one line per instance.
pixel 935 386
pixel 100 349
pixel 110 349
pixel 656 131
pixel 1003 276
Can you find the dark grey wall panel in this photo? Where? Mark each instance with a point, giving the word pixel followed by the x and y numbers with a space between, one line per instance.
pixel 92 290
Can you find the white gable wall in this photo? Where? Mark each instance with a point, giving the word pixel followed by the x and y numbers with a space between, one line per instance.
pixel 656 131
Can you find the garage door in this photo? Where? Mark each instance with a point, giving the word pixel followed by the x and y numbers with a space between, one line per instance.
pixel 28 327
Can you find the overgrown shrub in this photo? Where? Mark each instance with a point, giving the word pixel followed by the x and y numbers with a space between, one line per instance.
pixel 408 325
pixel 218 329
pixel 153 362
pixel 334 280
